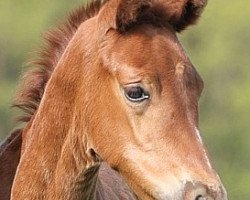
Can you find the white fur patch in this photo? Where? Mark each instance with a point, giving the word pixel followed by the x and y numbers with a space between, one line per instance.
pixel 200 140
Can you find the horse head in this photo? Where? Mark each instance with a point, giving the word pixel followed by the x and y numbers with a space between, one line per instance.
pixel 143 114
pixel 125 92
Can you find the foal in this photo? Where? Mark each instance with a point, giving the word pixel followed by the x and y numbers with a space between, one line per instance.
pixel 116 87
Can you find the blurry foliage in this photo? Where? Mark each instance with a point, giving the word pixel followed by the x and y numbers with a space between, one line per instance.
pixel 219 47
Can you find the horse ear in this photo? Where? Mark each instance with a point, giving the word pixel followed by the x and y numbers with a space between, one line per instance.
pixel 190 13
pixel 178 13
pixel 129 12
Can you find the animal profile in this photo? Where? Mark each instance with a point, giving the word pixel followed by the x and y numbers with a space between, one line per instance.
pixel 111 110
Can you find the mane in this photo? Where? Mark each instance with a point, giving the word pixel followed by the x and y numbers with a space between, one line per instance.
pixel 40 70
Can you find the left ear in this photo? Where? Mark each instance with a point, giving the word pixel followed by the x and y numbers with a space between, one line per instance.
pixel 129 12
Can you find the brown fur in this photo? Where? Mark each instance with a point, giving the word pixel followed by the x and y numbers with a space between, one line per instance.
pixel 177 13
pixel 10 151
pixel 35 80
pixel 78 117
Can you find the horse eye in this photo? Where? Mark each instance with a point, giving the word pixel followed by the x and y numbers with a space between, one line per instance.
pixel 136 94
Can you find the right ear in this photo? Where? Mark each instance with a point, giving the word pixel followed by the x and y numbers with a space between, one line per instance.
pixel 191 11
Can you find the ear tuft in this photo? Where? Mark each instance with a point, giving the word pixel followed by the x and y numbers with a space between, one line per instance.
pixel 129 12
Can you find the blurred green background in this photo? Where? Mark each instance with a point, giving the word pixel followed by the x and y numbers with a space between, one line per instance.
pixel 219 46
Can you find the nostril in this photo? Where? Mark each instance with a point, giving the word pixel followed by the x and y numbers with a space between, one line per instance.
pixel 199 197
pixel 197 192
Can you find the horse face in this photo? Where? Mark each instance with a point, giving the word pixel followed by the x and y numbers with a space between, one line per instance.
pixel 147 125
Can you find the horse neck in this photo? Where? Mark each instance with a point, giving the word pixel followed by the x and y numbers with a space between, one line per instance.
pixel 9 158
pixel 55 162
